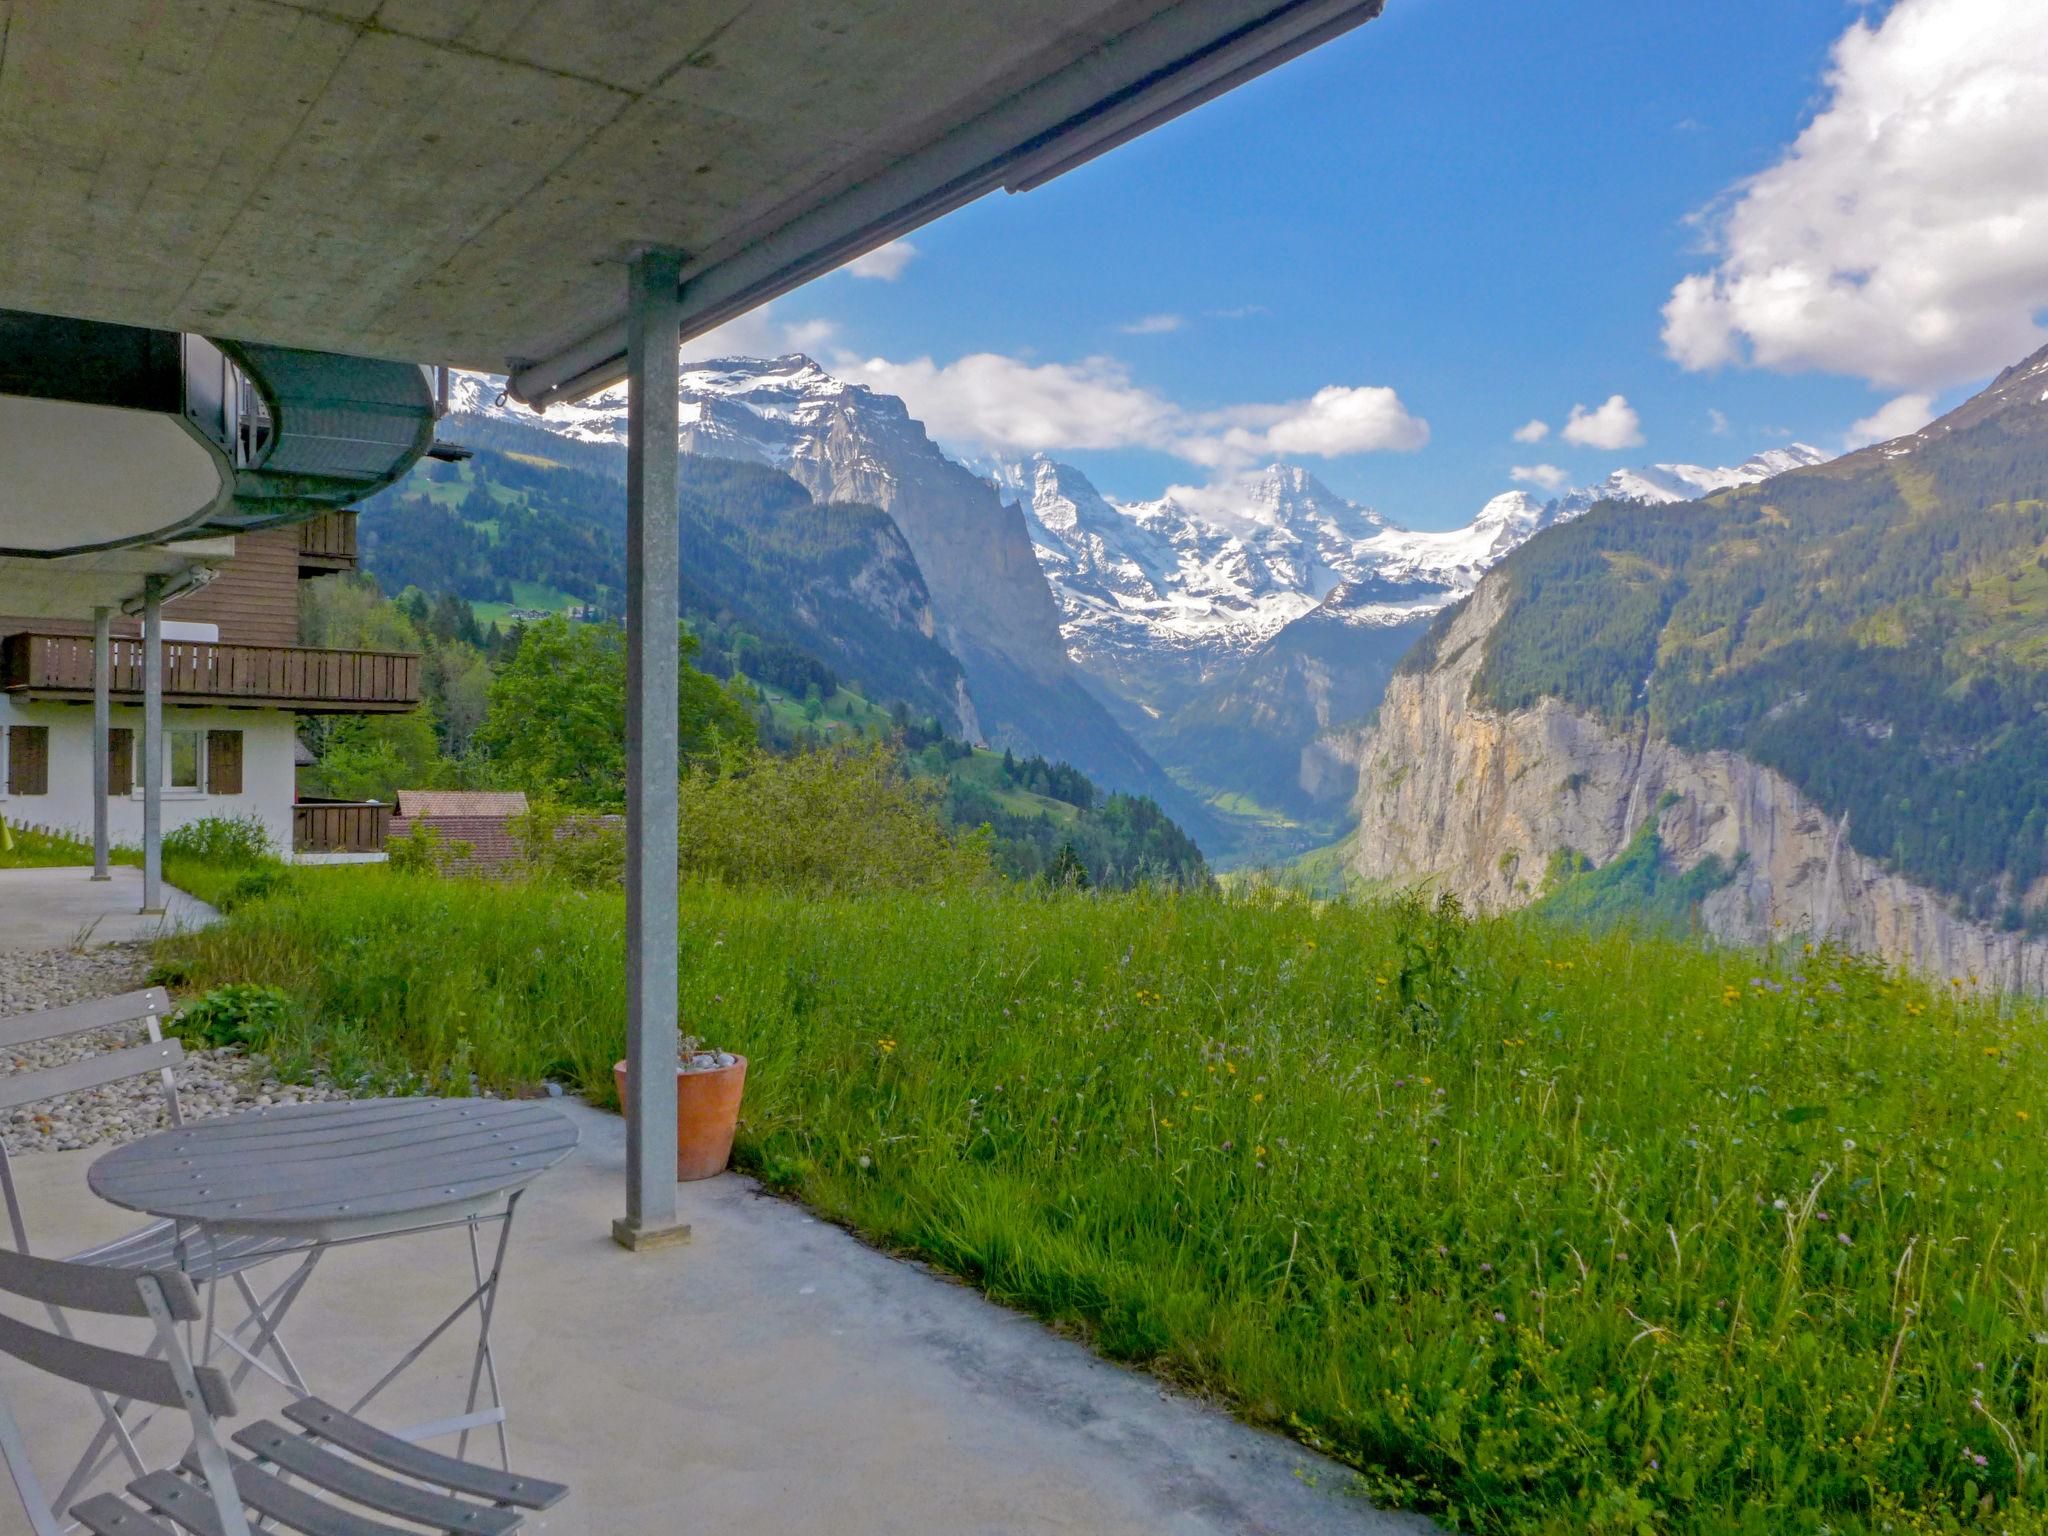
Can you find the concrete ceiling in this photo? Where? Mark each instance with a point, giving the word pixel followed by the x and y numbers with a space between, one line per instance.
pixel 462 181
pixel 71 587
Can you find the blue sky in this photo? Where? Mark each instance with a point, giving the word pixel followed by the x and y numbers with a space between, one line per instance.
pixel 1484 208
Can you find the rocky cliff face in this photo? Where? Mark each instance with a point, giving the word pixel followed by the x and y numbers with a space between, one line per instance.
pixel 1477 801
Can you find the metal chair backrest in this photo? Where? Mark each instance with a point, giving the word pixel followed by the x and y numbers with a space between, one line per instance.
pixel 148 1008
pixel 163 1375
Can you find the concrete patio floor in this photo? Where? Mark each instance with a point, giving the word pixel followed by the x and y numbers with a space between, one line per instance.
pixel 775 1375
pixel 62 907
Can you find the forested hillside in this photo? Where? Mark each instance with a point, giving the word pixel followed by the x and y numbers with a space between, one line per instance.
pixel 1874 629
pixel 785 579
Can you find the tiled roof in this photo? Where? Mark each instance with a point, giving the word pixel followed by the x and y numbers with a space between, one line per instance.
pixel 461 802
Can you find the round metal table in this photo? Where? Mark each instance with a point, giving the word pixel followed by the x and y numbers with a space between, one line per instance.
pixel 335 1172
pixel 322 1175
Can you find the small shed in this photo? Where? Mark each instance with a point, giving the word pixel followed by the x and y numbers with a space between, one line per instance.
pixel 480 818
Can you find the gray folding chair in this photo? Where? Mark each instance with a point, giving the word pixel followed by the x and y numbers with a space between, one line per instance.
pixel 327 1476
pixel 159 1245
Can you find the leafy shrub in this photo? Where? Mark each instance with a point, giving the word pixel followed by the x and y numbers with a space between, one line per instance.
pixel 575 848
pixel 220 840
pixel 825 820
pixel 241 1014
pixel 423 851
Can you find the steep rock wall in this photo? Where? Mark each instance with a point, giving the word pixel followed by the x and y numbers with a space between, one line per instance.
pixel 1477 802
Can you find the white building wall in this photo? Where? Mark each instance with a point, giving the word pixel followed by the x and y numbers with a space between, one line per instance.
pixel 267 772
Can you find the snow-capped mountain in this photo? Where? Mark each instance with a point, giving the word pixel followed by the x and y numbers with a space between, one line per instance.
pixel 990 602
pixel 1158 596
pixel 1222 625
pixel 1657 483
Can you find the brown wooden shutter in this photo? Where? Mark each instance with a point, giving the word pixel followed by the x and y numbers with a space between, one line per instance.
pixel 223 762
pixel 28 760
pixel 120 760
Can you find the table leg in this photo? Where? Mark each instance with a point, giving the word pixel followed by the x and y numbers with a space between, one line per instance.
pixel 268 1315
pixel 486 1363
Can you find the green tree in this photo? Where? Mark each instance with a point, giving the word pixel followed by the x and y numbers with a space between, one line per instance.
pixel 556 723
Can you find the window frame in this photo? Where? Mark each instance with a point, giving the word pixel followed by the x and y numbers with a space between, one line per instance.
pixel 172 791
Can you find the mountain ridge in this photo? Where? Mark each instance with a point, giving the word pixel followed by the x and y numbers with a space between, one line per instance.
pixel 845 443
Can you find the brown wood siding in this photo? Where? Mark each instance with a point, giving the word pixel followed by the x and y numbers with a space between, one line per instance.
pixel 254 599
pixel 28 760
pixel 223 762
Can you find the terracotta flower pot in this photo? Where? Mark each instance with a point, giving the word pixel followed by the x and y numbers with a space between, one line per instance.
pixel 707 1112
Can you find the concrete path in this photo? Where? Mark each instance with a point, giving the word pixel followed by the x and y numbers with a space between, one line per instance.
pixel 60 908
pixel 775 1376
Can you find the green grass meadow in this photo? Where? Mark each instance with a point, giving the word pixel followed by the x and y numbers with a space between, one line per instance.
pixel 1542 1231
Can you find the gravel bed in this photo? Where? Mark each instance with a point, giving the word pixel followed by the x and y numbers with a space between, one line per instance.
pixel 215 1082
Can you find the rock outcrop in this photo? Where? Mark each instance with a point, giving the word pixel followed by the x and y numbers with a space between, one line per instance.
pixel 1476 801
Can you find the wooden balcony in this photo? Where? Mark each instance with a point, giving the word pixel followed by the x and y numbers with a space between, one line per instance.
pixel 340 826
pixel 327 543
pixel 36 668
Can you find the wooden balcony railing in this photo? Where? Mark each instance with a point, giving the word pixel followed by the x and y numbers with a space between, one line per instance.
pixel 340 826
pixel 296 677
pixel 328 543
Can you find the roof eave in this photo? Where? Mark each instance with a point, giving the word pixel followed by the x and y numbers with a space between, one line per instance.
pixel 1172 62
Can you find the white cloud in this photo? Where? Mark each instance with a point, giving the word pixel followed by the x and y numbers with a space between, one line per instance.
pixel 809 335
pixel 1895 418
pixel 885 263
pixel 1549 476
pixel 1717 422
pixel 990 402
pixel 1339 419
pixel 1613 424
pixel 1903 236
pixel 1532 431
pixel 1153 325
pixel 1005 403
pixel 758 333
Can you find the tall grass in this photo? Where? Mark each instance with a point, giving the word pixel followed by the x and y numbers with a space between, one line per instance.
pixel 1544 1232
pixel 37 847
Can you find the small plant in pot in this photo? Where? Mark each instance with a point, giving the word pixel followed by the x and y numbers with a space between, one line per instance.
pixel 708 1085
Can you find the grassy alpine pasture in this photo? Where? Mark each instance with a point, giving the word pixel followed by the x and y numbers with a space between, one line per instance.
pixel 1543 1232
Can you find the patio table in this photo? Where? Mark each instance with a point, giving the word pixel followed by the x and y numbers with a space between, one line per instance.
pixel 324 1175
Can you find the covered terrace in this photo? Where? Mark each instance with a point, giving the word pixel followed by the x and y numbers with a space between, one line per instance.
pixel 564 193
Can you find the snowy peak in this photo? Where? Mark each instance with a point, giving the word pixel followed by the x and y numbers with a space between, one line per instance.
pixel 744 407
pixel 1660 483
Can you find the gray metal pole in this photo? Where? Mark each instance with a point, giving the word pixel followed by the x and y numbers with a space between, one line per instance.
pixel 653 338
pixel 153 744
pixel 102 665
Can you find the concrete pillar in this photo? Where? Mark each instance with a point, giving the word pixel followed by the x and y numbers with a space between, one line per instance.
pixel 153 745
pixel 653 338
pixel 102 665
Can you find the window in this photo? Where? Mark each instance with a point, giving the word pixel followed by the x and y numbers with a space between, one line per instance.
pixel 28 760
pixel 184 760
pixel 181 759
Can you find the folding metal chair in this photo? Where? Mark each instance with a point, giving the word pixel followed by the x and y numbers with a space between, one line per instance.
pixel 157 1245
pixel 325 1476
